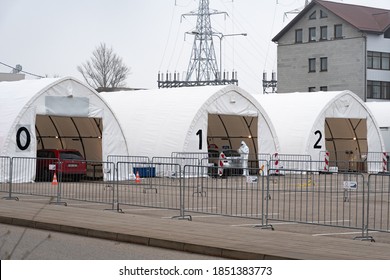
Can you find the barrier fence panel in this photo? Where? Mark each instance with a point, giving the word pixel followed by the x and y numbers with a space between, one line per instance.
pixel 280 162
pixel 155 184
pixel 28 177
pixel 378 208
pixel 5 174
pixel 122 174
pixel 333 199
pixel 231 194
pixel 376 162
pixel 177 161
pixel 195 156
pixel 91 188
pixel 353 161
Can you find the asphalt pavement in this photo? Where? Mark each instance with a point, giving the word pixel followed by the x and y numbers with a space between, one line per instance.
pixel 211 239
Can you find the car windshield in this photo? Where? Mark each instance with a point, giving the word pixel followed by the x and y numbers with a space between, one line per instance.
pixel 71 155
pixel 231 153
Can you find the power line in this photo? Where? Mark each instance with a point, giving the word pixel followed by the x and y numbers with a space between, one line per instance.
pixel 25 72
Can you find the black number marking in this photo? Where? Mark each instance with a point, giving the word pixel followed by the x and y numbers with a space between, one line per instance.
pixel 200 138
pixel 317 145
pixel 28 138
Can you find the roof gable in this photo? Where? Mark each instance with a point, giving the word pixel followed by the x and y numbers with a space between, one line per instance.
pixel 363 18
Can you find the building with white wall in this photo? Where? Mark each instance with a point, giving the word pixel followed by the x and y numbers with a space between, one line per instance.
pixel 333 46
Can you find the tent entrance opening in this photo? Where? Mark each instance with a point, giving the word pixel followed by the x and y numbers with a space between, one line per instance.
pixel 80 133
pixel 346 140
pixel 227 131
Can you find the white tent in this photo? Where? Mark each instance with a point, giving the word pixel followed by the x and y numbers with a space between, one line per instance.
pixel 56 113
pixel 308 123
pixel 161 121
pixel 381 112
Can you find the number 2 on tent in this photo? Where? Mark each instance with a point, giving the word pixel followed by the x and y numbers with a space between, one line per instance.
pixel 316 145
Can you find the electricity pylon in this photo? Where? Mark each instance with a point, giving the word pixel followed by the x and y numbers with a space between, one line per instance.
pixel 203 67
pixel 203 63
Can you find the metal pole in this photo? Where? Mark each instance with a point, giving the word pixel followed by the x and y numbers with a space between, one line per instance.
pixel 220 57
pixel 221 36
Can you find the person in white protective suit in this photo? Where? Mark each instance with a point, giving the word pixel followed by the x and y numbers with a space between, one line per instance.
pixel 244 152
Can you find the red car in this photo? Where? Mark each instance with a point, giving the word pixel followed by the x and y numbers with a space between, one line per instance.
pixel 68 164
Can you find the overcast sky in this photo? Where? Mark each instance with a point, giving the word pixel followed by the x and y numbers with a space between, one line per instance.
pixel 53 37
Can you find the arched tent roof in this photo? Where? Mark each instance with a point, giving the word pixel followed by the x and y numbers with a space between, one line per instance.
pixel 161 121
pixel 300 118
pixel 380 110
pixel 22 102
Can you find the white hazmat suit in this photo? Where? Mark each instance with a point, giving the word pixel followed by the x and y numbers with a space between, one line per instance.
pixel 244 152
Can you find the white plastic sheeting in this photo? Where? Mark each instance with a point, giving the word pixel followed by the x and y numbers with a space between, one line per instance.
pixel 22 101
pixel 302 120
pixel 161 121
pixel 381 112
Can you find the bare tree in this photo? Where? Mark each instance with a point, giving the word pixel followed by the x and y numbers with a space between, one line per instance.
pixel 105 69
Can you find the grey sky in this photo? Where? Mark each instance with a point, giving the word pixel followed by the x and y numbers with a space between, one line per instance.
pixel 53 37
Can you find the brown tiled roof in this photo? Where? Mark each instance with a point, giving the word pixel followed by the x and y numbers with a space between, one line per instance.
pixel 364 18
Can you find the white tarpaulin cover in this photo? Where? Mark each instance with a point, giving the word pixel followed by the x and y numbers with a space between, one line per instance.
pixel 22 102
pixel 161 121
pixel 381 112
pixel 299 119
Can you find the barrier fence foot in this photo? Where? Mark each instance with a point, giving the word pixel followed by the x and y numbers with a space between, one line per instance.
pixel 59 203
pixel 364 238
pixel 183 217
pixel 116 208
pixel 11 198
pixel 264 227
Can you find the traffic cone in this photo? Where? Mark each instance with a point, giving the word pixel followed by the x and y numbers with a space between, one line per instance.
pixel 54 182
pixel 137 178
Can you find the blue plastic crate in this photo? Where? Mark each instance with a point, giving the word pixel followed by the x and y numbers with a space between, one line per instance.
pixel 145 172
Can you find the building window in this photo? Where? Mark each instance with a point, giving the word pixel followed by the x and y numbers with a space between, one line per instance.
pixel 387 33
pixel 313 15
pixel 324 88
pixel 324 64
pixel 312 34
pixel 369 60
pixel 378 60
pixel 324 33
pixel 312 89
pixel 338 31
pixel 323 14
pixel 298 36
pixel 378 90
pixel 385 90
pixel 385 61
pixel 373 89
pixel 312 64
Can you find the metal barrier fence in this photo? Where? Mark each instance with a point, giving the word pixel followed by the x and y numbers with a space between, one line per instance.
pixel 378 202
pixel 280 162
pixel 229 195
pixel 122 174
pixel 5 173
pixel 333 199
pixel 155 185
pixel 49 177
pixel 350 161
pixel 310 196
pixel 91 189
